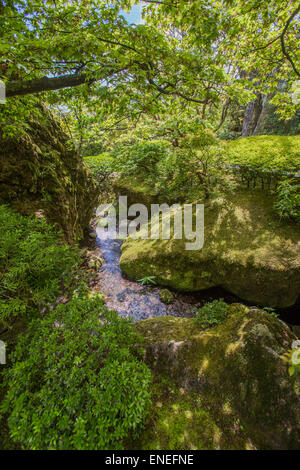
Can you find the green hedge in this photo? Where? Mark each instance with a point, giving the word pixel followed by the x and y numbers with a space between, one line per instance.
pixel 99 164
pixel 271 162
pixel 266 152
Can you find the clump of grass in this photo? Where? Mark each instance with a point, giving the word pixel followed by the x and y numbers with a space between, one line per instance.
pixel 212 313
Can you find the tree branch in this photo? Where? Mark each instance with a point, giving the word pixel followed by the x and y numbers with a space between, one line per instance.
pixel 38 85
pixel 287 55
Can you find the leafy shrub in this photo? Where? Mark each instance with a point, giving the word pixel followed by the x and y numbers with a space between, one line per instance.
pixel 34 265
pixel 201 141
pixel 193 171
pixel 100 165
pixel 212 313
pixel 74 382
pixel 288 200
pixel 140 158
pixel 175 177
pixel 92 146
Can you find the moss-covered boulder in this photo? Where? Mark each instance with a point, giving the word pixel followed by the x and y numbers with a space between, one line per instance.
pixel 39 170
pixel 246 251
pixel 236 370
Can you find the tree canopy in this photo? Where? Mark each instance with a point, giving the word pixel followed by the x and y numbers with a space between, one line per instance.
pixel 205 53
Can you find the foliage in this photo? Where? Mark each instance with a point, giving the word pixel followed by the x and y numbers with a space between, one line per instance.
pixel 271 162
pixel 212 313
pixel 140 158
pixel 187 55
pixel 100 165
pixel 193 170
pixel 254 37
pixel 175 178
pixel 147 280
pixel 34 265
pixel 271 311
pixel 74 381
pixel 92 147
pixel 266 152
pixel 288 199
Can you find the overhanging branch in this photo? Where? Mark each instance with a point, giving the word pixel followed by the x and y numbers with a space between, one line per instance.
pixel 37 85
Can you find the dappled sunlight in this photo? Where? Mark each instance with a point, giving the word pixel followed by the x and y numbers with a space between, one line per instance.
pixel 233 347
pixel 149 188
pixel 204 365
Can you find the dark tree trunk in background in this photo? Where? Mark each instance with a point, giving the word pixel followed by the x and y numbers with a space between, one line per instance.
pixel 252 116
pixel 261 118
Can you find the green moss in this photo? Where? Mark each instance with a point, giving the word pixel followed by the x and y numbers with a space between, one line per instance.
pixel 166 296
pixel 235 366
pixel 39 171
pixel 246 251
pixel 179 421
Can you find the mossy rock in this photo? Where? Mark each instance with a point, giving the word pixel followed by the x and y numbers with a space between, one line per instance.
pixel 40 170
pixel 246 251
pixel 235 368
pixel 166 296
pixel 179 420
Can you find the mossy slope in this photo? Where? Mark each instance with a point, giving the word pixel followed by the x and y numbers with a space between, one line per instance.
pixel 245 251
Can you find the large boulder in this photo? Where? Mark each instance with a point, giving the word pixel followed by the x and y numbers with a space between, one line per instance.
pixel 235 369
pixel 41 171
pixel 246 251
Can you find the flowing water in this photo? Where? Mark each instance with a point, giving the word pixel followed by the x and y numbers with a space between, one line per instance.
pixel 132 299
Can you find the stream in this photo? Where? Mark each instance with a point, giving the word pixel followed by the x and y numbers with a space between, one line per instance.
pixel 132 299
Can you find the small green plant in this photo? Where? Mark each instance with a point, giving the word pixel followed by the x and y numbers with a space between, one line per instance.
pixel 212 313
pixel 271 311
pixel 288 200
pixel 147 280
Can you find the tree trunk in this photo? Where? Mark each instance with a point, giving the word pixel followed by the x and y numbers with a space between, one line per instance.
pixel 252 114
